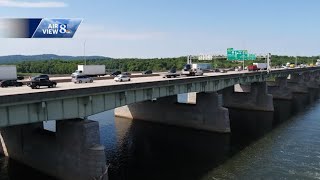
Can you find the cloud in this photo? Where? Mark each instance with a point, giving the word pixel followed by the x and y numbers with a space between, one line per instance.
pixel 23 4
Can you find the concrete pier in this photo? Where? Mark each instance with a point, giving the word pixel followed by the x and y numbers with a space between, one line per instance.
pixel 206 114
pixel 72 152
pixel 297 84
pixel 256 99
pixel 279 89
pixel 250 112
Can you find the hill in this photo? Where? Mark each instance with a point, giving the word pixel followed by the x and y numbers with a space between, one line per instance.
pixel 43 57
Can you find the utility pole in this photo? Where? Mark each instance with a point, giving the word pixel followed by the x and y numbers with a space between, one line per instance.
pixel 296 61
pixel 84 52
pixel 268 62
pixel 214 62
pixel 189 59
pixel 243 60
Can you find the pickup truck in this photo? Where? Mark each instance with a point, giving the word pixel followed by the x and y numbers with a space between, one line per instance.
pixel 36 84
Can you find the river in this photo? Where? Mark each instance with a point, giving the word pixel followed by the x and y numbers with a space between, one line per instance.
pixel 286 148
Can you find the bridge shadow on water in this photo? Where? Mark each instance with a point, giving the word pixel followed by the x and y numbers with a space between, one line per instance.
pixel 154 151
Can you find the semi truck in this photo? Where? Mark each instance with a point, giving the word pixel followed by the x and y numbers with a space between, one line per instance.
pixel 8 72
pixel 261 66
pixel 90 70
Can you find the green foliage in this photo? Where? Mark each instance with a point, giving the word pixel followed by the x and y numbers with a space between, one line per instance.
pixel 59 66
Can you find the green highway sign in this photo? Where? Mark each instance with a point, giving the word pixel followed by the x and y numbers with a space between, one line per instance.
pixel 239 55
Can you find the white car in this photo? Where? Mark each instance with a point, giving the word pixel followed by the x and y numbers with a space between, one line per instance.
pixel 121 78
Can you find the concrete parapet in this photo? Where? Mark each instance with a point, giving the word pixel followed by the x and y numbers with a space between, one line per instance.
pixel 206 114
pixel 72 152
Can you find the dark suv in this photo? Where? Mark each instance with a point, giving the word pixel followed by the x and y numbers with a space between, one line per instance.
pixel 7 83
pixel 147 72
pixel 116 73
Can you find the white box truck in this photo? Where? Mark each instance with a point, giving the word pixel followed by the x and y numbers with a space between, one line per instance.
pixel 90 70
pixel 8 72
pixel 261 66
pixel 191 70
pixel 202 66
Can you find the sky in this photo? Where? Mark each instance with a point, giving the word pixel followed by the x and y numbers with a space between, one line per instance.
pixel 171 28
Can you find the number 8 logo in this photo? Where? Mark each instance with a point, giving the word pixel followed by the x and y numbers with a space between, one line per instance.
pixel 63 28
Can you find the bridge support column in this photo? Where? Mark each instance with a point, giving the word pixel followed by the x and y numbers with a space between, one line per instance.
pixel 257 99
pixel 283 99
pixel 297 84
pixel 313 86
pixel 72 152
pixel 279 89
pixel 206 114
pixel 305 89
pixel 250 112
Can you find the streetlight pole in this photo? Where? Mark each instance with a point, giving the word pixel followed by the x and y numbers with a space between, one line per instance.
pixel 84 52
pixel 268 62
pixel 243 60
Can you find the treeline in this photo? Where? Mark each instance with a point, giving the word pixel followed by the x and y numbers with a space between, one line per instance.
pixel 158 64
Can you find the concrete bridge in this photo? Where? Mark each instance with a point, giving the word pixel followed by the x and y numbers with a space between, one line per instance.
pixel 74 149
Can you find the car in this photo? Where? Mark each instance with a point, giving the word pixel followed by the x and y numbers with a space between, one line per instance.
pixel 41 76
pixel 7 83
pixel 115 73
pixel 126 73
pixel 216 70
pixel 82 79
pixel 147 72
pixel 171 73
pixel 223 70
pixel 172 70
pixel 121 78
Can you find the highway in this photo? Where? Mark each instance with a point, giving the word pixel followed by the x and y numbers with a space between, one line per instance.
pixel 97 83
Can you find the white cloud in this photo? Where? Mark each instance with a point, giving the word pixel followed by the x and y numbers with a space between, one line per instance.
pixel 24 4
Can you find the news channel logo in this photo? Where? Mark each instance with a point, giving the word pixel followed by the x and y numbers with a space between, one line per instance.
pixel 39 28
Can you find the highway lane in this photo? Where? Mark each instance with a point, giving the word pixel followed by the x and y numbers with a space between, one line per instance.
pixel 68 78
pixel 97 83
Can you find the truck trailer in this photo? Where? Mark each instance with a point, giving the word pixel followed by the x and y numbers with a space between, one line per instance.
pixel 8 72
pixel 261 66
pixel 90 70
